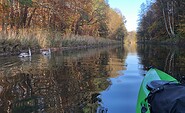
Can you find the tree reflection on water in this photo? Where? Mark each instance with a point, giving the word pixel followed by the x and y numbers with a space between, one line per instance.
pixel 167 58
pixel 60 84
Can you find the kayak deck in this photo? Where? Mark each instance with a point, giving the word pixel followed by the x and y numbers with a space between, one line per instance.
pixel 152 74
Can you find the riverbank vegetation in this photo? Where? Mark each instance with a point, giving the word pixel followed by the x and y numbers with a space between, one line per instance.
pixel 131 38
pixel 54 23
pixel 162 21
pixel 130 42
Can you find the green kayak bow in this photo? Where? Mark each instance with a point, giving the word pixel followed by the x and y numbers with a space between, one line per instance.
pixel 151 75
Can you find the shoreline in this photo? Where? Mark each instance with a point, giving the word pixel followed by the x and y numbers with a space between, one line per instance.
pixel 54 49
pixel 37 41
pixel 178 44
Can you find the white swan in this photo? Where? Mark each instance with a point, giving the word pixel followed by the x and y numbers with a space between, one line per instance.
pixel 47 52
pixel 25 54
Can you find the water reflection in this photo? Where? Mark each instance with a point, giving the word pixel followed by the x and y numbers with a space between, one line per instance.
pixel 121 95
pixel 167 58
pixel 65 82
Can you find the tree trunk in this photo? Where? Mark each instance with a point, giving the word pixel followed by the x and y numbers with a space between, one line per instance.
pixel 25 16
pixel 29 19
pixel 170 13
pixel 11 15
pixel 164 18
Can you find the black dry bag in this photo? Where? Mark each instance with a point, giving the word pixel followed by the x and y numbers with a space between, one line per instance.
pixel 166 97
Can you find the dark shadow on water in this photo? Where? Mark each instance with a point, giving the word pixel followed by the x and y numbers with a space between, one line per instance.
pixel 169 59
pixel 65 82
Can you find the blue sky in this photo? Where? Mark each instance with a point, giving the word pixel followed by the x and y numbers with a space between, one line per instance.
pixel 129 9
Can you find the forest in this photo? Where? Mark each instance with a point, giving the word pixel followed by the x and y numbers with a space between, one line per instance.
pixel 56 23
pixel 162 21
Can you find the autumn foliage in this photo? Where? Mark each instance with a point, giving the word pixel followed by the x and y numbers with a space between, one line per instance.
pixel 162 20
pixel 78 17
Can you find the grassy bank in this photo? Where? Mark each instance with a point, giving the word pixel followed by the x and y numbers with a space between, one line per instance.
pixel 14 42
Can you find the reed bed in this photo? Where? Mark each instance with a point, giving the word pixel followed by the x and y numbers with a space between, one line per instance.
pixel 15 41
pixel 76 40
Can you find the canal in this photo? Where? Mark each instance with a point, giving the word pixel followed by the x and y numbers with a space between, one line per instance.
pixel 83 81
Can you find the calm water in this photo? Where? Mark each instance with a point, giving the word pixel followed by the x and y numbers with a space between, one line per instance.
pixel 82 81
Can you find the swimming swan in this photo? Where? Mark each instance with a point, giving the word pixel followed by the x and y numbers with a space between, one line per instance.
pixel 47 52
pixel 25 54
